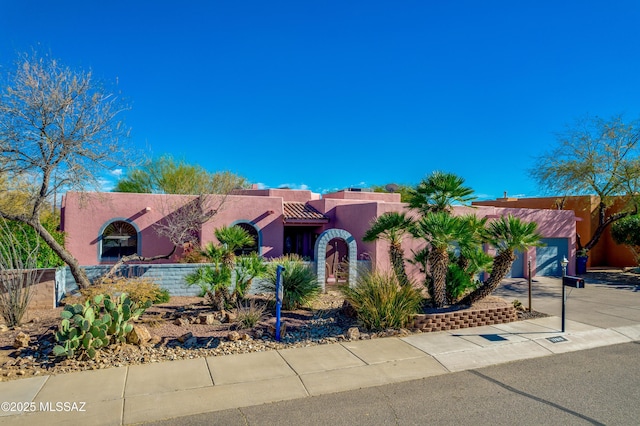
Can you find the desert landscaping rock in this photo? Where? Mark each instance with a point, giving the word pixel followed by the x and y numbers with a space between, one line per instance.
pixel 174 337
pixel 182 322
pixel 139 335
pixel 353 333
pixel 21 341
pixel 185 337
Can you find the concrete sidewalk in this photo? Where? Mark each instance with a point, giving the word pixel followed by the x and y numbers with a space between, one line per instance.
pixel 598 315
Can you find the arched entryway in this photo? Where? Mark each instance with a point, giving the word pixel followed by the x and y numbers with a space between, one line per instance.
pixel 320 252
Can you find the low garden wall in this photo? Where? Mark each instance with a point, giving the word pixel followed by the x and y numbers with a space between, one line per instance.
pixel 43 293
pixel 472 317
pixel 169 276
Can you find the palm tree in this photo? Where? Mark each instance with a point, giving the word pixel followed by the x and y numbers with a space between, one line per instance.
pixel 232 239
pixel 216 279
pixel 508 235
pixel 470 258
pixel 473 239
pixel 441 231
pixel 392 226
pixel 438 192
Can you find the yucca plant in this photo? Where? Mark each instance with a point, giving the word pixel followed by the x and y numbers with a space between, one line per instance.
pixel 300 285
pixel 381 302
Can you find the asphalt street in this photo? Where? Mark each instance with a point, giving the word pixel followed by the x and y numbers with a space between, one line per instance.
pixel 596 386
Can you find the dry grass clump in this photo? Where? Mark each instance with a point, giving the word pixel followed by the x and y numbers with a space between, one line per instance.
pixel 140 290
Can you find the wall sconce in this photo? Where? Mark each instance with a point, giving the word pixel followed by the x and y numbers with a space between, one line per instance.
pixel 147 209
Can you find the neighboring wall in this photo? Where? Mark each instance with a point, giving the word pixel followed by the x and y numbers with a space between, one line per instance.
pixel 606 252
pixel 42 293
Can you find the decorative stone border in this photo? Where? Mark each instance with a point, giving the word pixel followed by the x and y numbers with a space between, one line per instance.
pixel 464 319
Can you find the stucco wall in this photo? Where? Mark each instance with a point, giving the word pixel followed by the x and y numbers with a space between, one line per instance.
pixel 606 252
pixel 85 215
pixel 85 219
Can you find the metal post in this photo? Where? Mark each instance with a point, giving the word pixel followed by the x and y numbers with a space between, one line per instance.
pixel 564 302
pixel 279 295
pixel 529 275
pixel 564 293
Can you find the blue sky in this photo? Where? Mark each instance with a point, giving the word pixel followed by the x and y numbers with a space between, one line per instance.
pixel 324 95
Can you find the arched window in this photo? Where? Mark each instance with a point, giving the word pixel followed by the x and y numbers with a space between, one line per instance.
pixel 255 248
pixel 118 239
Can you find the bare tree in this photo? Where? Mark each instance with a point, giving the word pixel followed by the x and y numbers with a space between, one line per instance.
pixel 59 129
pixel 183 217
pixel 595 157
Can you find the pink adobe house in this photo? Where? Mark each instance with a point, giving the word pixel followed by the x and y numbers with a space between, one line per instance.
pixel 327 229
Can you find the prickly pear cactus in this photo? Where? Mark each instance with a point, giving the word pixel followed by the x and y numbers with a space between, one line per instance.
pixel 86 328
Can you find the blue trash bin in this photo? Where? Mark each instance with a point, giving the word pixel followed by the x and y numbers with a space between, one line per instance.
pixel 581 264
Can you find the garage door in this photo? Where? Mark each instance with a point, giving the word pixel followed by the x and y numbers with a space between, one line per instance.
pixel 517 269
pixel 548 257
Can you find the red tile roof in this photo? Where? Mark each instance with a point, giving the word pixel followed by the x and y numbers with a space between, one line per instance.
pixel 302 212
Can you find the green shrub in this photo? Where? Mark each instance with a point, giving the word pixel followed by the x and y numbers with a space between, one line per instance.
pixel 98 322
pixel 627 231
pixel 140 290
pixel 214 281
pixel 458 282
pixel 192 254
pixel 162 297
pixel 299 282
pixel 380 302
pixel 28 237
